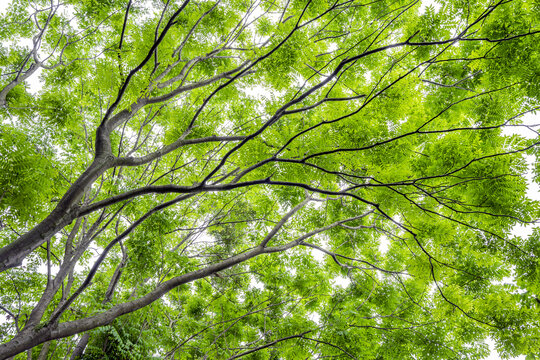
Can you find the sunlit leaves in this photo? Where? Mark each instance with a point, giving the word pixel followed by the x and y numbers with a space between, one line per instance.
pixel 387 118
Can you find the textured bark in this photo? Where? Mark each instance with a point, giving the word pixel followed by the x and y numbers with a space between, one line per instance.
pixel 83 342
pixel 80 347
pixel 65 212
pixel 29 338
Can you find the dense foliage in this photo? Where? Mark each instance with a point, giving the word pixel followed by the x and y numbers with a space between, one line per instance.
pixel 286 179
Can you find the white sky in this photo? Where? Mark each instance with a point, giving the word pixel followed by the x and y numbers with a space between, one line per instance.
pixel 533 191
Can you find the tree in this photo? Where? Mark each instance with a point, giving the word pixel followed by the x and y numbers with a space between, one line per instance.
pixel 269 179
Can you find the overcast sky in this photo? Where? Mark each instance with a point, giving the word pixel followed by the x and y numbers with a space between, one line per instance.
pixel 529 119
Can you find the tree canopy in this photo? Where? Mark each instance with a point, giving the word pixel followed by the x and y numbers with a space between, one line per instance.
pixel 268 179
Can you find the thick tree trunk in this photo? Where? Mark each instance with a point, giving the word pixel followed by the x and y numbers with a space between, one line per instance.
pixel 24 340
pixel 29 338
pixel 14 253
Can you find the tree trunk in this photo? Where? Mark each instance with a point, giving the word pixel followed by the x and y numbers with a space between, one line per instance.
pixel 14 253
pixel 81 346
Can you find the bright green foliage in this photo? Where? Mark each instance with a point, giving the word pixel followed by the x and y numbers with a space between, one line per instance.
pixel 27 176
pixel 119 341
pixel 268 180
